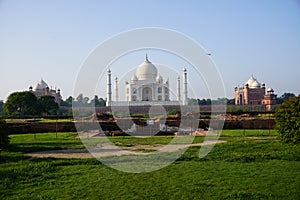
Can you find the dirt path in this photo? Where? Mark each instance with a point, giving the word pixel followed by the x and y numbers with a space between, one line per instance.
pixel 113 151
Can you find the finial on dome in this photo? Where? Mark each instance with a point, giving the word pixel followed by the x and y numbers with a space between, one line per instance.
pixel 147 58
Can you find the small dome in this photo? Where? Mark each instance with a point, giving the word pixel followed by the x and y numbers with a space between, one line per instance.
pixel 146 71
pixel 41 84
pixel 134 78
pixel 253 83
pixel 159 79
pixel 270 90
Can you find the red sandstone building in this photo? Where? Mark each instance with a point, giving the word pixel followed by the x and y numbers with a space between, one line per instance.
pixel 254 93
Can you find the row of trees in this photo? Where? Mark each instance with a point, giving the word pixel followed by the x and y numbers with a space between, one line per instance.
pixel 26 103
pixel 83 101
pixel 227 101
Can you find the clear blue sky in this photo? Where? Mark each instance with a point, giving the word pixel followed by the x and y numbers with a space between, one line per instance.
pixel 51 39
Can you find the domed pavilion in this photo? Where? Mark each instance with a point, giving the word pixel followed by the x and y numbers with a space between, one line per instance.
pixel 146 87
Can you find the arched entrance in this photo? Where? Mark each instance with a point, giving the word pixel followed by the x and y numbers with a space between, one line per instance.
pixel 147 94
pixel 240 99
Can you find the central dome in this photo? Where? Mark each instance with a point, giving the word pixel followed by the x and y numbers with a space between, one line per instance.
pixel 146 71
pixel 41 84
pixel 253 83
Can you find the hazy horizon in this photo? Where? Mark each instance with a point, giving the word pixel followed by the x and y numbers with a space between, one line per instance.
pixel 51 39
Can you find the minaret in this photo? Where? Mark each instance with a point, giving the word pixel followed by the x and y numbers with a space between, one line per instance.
pixel 108 96
pixel 116 96
pixel 178 89
pixel 185 92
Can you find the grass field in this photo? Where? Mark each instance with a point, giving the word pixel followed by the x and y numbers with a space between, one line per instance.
pixel 252 164
pixel 16 120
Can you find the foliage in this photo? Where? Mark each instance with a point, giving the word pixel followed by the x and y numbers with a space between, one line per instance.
pixel 82 101
pixel 47 104
pixel 284 97
pixel 139 115
pixel 1 107
pixel 204 101
pixel 288 120
pixel 68 102
pixel 173 112
pixel 4 139
pixel 192 101
pixel 21 103
pixel 222 101
pixel 98 102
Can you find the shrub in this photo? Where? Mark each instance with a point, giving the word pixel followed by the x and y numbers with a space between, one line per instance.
pixel 287 119
pixel 139 115
pixel 4 139
pixel 173 112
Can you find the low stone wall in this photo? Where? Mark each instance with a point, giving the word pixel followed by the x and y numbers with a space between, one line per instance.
pixel 250 124
pixel 43 127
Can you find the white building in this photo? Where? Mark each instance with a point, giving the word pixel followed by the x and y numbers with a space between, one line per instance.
pixel 42 88
pixel 146 87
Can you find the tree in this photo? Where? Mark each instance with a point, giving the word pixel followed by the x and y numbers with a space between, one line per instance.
pixel 94 101
pixel 68 102
pixel 97 102
pixel 4 139
pixel 284 97
pixel 22 103
pixel 79 100
pixel 204 101
pixel 47 104
pixel 102 102
pixel 287 119
pixel 192 101
pixel 85 101
pixel 230 102
pixel 220 101
pixel 1 107
pixel 173 112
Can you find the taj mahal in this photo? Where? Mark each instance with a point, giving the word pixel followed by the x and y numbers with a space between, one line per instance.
pixel 146 87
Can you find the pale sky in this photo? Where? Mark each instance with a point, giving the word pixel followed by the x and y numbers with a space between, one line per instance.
pixel 52 38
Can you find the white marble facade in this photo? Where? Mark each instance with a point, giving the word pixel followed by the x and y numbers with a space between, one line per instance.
pixel 146 86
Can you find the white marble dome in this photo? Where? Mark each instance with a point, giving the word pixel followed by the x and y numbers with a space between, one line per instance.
pixel 252 83
pixel 41 84
pixel 146 71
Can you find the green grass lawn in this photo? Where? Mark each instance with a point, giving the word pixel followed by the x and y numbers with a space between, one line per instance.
pixel 251 166
pixel 20 120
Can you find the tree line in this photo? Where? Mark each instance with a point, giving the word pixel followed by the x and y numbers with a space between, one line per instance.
pixel 226 101
pixel 26 103
pixel 83 101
